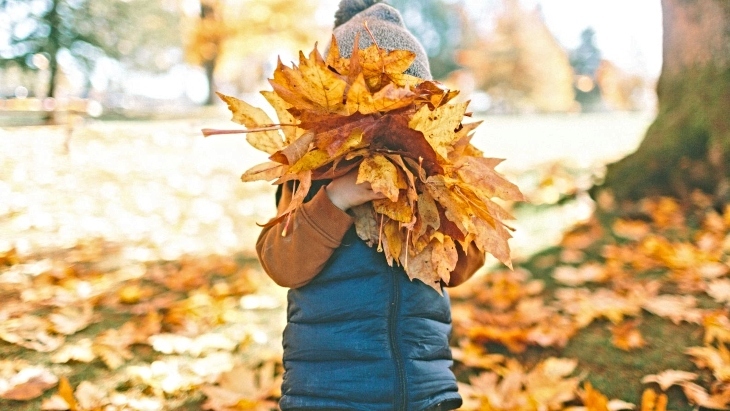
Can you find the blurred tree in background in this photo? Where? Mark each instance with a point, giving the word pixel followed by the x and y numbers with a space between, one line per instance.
pixel 687 148
pixel 236 38
pixel 585 61
pixel 437 24
pixel 205 41
pixel 44 33
pixel 520 63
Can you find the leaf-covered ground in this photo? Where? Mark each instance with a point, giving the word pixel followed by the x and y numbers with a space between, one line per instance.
pixel 128 282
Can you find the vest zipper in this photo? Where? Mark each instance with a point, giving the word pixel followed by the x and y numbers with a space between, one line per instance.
pixel 401 393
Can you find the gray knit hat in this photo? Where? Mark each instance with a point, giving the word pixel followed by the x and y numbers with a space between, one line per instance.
pixel 387 27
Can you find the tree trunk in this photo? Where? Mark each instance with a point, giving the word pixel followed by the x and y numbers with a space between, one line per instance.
pixel 53 47
pixel 209 67
pixel 687 148
pixel 209 12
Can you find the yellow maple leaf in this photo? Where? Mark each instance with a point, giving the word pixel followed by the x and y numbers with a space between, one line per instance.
pixel 382 175
pixel 253 117
pixel 281 107
pixel 439 125
pixel 341 113
pixel 311 85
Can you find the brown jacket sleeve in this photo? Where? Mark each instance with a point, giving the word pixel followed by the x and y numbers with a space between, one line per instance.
pixel 467 264
pixel 316 229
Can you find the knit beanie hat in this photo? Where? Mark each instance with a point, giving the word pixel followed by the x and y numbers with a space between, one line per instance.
pixel 386 25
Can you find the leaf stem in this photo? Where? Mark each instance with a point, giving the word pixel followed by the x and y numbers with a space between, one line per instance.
pixel 212 131
pixel 380 234
pixel 380 51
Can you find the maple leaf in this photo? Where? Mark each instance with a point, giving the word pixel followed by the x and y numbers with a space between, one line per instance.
pixel 475 356
pixel 439 125
pixel 434 263
pixel 69 320
pixel 626 336
pixel 243 388
pixel 573 276
pixel 699 396
pixel 677 308
pixel 382 175
pixel 361 100
pixel 81 351
pixel 650 401
pixel 30 332
pixel 311 85
pixel 62 401
pixel 253 117
pixel 547 383
pixel 406 139
pixel 717 327
pixel 667 378
pixel 265 171
pixel 716 359
pixel 281 107
pixel 479 173
pixel 27 384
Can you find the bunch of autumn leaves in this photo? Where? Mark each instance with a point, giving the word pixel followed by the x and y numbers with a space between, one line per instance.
pixel 406 139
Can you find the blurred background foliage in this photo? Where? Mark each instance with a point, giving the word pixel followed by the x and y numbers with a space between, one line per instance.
pixel 135 57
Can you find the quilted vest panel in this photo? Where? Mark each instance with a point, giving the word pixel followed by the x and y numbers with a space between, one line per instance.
pixel 362 336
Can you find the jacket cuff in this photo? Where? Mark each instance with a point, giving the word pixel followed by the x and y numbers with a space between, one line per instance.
pixel 326 218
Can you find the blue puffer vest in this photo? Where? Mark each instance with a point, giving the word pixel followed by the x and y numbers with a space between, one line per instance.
pixel 362 336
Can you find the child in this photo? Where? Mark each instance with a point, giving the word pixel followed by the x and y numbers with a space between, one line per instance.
pixel 360 335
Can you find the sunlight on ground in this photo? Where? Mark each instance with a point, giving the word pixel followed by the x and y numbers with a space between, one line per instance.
pixel 163 190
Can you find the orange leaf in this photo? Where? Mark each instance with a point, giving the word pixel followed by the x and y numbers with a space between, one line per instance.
pixel 66 392
pixel 626 336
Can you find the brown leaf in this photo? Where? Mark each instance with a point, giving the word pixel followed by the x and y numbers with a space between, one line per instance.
pixel 294 151
pixel 479 173
pixel 421 267
pixel 428 214
pixel 365 223
pixel 300 192
pixel 36 382
pixel 265 171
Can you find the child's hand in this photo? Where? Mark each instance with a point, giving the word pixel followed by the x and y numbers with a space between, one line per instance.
pixel 345 193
